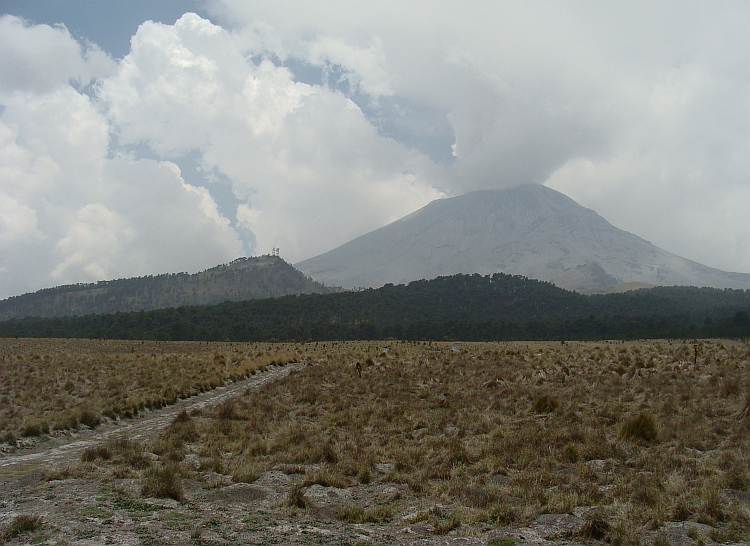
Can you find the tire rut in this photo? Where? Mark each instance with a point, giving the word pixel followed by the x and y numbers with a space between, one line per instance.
pixel 67 448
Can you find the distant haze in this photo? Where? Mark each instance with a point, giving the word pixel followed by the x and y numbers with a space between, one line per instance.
pixel 145 137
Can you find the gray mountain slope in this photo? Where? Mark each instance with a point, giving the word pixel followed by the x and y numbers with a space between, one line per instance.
pixel 529 230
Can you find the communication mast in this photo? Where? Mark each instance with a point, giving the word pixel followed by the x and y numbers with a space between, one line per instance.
pixel 274 251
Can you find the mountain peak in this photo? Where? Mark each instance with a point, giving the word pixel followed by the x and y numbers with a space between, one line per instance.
pixel 528 230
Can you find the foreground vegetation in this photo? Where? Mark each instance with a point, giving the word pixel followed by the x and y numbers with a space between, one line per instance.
pixel 64 384
pixel 639 433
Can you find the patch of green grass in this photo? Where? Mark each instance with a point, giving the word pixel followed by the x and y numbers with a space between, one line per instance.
pixel 39 539
pixel 94 513
pixel 126 503
pixel 253 522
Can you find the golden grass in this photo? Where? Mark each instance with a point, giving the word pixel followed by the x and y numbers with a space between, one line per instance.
pixel 497 432
pixel 48 385
pixel 504 432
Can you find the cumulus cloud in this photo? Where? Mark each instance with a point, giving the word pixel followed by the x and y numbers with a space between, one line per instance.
pixel 70 211
pixel 309 169
pixel 328 122
pixel 38 57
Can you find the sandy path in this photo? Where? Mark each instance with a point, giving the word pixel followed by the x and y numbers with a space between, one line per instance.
pixel 67 448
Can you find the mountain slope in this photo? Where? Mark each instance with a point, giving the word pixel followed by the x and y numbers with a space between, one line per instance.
pixel 243 279
pixel 530 230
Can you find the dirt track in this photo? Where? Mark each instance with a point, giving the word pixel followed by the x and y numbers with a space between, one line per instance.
pixel 66 448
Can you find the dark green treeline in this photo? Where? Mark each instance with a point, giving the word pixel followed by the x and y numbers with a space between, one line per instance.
pixel 460 307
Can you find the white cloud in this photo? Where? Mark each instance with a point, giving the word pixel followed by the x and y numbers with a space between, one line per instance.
pixel 37 58
pixel 310 169
pixel 18 223
pixel 639 111
pixel 93 244
pixel 368 65
pixel 71 213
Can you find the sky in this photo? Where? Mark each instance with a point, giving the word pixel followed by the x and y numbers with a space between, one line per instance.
pixel 148 137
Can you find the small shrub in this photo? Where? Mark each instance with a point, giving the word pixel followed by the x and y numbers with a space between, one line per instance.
pixel 546 404
pixel 445 526
pixel 91 454
pixel 182 417
pixel 162 483
pixel 227 410
pixel 247 473
pixel 22 524
pixel 641 427
pixel 89 418
pixel 129 452
pixel 35 429
pixel 296 497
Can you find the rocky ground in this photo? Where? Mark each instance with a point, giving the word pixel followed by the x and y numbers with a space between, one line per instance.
pixel 44 479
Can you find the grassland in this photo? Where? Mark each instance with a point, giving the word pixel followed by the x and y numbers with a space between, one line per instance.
pixel 49 385
pixel 633 435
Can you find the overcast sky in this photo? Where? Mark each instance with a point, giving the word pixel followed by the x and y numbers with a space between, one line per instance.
pixel 146 137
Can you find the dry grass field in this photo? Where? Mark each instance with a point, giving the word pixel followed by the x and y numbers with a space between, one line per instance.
pixel 630 436
pixel 48 385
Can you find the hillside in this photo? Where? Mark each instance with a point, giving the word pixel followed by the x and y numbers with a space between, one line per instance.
pixel 530 230
pixel 243 279
pixel 461 307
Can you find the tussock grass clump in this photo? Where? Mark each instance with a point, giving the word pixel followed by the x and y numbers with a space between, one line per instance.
pixel 546 404
pixel 327 478
pixel 162 482
pixel 35 429
pixel 129 453
pixel 359 514
pixel 21 524
pixel 640 427
pixel 247 473
pixel 296 497
pixel 91 454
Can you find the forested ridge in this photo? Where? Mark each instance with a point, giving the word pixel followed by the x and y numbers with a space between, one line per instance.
pixel 461 307
pixel 242 279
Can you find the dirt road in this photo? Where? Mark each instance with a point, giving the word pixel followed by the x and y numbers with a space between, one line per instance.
pixel 66 448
